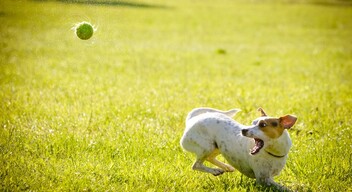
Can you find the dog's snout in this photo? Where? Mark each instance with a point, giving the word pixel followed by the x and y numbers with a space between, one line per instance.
pixel 244 132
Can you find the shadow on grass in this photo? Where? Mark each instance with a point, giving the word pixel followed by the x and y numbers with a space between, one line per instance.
pixel 345 3
pixel 251 185
pixel 335 3
pixel 111 3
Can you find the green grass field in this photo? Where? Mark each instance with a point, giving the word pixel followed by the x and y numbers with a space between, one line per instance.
pixel 107 114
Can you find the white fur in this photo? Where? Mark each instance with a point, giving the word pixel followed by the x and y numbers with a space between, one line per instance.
pixel 210 132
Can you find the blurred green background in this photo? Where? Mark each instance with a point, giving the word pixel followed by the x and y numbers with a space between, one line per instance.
pixel 107 114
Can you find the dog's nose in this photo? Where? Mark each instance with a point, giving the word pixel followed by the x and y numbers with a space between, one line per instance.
pixel 244 132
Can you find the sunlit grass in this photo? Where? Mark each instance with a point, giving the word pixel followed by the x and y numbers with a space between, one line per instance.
pixel 107 114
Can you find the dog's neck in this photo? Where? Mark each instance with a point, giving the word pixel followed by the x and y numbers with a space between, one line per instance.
pixel 279 147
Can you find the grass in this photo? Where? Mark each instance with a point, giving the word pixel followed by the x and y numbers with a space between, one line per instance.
pixel 107 114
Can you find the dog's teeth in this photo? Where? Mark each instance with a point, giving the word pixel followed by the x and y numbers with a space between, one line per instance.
pixel 258 145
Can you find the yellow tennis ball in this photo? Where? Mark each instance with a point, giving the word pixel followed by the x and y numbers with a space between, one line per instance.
pixel 84 30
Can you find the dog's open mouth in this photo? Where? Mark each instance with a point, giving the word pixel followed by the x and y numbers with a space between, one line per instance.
pixel 259 144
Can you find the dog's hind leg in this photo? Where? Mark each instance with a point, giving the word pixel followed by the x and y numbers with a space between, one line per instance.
pixel 202 148
pixel 212 159
pixel 203 155
pixel 198 165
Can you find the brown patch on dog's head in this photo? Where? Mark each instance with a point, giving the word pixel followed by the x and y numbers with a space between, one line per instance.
pixel 274 127
pixel 271 127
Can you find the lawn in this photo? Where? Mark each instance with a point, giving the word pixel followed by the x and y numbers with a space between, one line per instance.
pixel 107 114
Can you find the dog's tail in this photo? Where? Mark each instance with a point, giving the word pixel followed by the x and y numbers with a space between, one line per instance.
pixel 198 111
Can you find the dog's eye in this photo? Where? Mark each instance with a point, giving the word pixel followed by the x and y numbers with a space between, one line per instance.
pixel 262 124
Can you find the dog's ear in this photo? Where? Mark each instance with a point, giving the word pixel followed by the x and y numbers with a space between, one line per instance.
pixel 288 121
pixel 262 112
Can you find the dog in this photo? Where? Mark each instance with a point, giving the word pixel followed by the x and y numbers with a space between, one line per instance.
pixel 258 151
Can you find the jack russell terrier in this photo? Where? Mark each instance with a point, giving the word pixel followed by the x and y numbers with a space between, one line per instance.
pixel 258 151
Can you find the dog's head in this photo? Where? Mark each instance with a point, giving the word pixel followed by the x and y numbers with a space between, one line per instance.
pixel 267 128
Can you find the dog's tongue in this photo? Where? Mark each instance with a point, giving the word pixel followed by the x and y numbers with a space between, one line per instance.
pixel 259 144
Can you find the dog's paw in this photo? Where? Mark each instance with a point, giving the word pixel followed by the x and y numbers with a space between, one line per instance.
pixel 217 172
pixel 229 168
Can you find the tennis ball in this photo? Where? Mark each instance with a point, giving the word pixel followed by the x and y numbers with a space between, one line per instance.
pixel 84 30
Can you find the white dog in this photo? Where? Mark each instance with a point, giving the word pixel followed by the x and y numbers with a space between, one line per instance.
pixel 258 151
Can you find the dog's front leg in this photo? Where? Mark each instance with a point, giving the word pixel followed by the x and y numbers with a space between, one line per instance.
pixel 267 181
pixel 261 180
